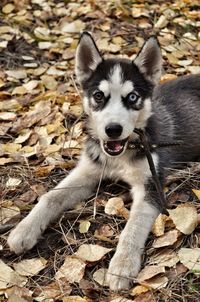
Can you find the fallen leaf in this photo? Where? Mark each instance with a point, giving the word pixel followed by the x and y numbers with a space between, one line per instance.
pixel 197 193
pixel 115 206
pixel 150 271
pixel 157 282
pixel 187 224
pixel 105 230
pixel 54 291
pixel 162 22
pixel 190 257
pixel 167 239
pixel 138 290
pixel 145 297
pixel 167 258
pixel 100 276
pixel 8 8
pixel 30 267
pixel 91 252
pixel 49 82
pixel 74 299
pixel 72 270
pixel 84 226
pixel 7 116
pixel 73 27
pixel 158 227
pixel 13 182
pixel 18 294
pixel 120 299
pixel 17 74
pixel 8 213
pixel 9 277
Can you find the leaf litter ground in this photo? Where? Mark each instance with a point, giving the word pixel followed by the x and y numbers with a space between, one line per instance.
pixel 41 133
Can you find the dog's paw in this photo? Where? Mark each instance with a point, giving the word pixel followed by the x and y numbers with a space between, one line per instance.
pixel 122 270
pixel 23 237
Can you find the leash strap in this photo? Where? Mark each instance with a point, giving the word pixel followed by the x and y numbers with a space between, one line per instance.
pixel 147 149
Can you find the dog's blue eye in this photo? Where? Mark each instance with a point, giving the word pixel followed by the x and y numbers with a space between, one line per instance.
pixel 133 97
pixel 98 96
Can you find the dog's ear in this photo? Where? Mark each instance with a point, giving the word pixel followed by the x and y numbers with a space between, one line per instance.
pixel 149 60
pixel 87 57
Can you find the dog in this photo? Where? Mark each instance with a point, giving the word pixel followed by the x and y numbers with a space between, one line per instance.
pixel 122 95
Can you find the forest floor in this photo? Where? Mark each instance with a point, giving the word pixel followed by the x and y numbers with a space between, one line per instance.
pixel 41 136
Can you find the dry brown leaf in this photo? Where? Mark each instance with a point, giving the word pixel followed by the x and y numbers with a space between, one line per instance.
pixel 145 297
pixel 105 230
pixel 16 292
pixel 190 258
pixel 49 82
pixel 9 277
pixel 91 252
pixel 157 282
pixel 120 299
pixel 100 276
pixel 75 299
pixel 17 74
pixel 30 267
pixel 72 270
pixel 7 116
pixel 158 227
pixel 8 213
pixel 167 239
pixel 54 291
pixel 185 218
pixel 138 290
pixel 149 271
pixel 167 258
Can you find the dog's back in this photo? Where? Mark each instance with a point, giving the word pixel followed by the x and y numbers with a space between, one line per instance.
pixel 176 107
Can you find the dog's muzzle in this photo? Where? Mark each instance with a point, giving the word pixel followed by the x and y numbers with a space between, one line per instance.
pixel 115 147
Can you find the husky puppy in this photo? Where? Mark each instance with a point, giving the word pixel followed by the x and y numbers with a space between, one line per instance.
pixel 121 95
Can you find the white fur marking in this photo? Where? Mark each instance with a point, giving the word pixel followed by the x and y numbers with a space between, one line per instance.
pixel 104 87
pixel 115 77
pixel 127 87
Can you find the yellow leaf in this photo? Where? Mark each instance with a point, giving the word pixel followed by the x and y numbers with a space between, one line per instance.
pixel 8 8
pixel 197 193
pixel 84 226
pixel 158 227
pixel 139 289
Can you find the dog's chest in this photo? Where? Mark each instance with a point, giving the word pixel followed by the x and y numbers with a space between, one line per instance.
pixel 134 172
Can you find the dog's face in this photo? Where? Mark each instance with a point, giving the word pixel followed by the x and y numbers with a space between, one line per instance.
pixel 117 92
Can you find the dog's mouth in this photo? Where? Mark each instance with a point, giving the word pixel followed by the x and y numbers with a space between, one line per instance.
pixel 114 148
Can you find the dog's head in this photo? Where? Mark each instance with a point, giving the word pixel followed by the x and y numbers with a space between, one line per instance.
pixel 117 92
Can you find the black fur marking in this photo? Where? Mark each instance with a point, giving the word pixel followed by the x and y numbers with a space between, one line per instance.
pixel 93 150
pixel 100 105
pixel 130 72
pixel 135 106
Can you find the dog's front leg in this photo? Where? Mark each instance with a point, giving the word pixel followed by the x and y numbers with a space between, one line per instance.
pixel 77 186
pixel 126 262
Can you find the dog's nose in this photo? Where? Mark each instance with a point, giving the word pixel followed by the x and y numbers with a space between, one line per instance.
pixel 113 130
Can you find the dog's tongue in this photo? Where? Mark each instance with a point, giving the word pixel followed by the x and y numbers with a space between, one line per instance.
pixel 115 146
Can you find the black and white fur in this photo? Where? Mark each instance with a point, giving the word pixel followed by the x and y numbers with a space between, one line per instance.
pixel 119 96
